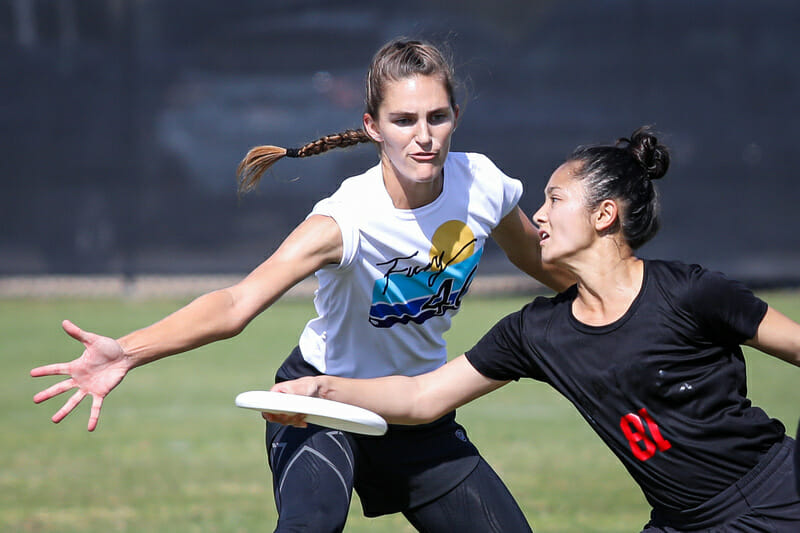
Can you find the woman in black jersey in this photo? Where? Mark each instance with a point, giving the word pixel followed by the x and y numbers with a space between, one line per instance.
pixel 648 351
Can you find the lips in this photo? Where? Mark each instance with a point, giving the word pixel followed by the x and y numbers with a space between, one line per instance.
pixel 424 157
pixel 543 235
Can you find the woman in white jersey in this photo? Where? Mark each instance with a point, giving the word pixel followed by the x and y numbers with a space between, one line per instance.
pixel 394 250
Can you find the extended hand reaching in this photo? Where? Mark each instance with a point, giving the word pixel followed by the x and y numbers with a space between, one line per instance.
pixel 96 372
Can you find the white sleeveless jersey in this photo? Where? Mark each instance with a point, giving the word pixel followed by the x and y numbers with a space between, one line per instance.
pixel 384 308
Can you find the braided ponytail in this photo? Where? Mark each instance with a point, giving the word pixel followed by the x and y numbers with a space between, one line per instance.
pixel 260 158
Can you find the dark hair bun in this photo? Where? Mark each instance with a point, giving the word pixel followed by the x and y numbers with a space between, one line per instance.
pixel 653 157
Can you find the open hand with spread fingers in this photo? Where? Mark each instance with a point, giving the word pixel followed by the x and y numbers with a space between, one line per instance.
pixel 96 372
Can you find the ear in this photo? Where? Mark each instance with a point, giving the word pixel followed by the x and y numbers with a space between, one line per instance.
pixel 371 127
pixel 456 113
pixel 606 215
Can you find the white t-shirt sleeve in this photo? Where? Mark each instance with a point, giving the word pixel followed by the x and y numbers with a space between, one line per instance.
pixel 493 178
pixel 348 226
pixel 512 192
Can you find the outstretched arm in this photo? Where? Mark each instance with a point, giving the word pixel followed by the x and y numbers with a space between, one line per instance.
pixel 778 335
pixel 225 313
pixel 399 399
pixel 519 239
pixel 214 316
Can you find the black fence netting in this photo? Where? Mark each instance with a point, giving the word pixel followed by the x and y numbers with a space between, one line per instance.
pixel 123 121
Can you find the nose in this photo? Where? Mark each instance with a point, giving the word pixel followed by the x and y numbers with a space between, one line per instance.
pixel 423 133
pixel 539 216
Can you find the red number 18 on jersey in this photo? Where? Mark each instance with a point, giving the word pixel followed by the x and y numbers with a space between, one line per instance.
pixel 643 446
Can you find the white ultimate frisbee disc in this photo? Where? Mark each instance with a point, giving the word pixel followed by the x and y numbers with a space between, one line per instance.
pixel 327 413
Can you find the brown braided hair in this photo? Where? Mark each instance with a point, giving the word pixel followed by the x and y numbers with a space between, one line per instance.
pixel 260 158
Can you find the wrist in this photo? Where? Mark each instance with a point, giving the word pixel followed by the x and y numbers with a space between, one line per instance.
pixel 323 387
pixel 129 357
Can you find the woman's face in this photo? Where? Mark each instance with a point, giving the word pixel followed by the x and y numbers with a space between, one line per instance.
pixel 414 125
pixel 565 224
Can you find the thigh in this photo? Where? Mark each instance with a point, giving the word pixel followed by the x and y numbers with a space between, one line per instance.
pixel 312 477
pixel 481 503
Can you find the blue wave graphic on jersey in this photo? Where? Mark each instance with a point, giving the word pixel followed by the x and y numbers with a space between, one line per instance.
pixel 403 297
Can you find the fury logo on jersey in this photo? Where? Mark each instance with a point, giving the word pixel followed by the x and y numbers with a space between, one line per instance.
pixel 414 291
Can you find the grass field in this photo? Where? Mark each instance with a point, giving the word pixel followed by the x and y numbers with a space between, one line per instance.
pixel 173 454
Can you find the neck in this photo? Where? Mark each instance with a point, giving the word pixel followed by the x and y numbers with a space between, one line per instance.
pixel 408 193
pixel 607 286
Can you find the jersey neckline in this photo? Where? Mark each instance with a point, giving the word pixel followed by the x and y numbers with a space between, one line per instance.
pixel 606 328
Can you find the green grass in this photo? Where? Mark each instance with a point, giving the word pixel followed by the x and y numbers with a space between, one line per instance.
pixel 173 454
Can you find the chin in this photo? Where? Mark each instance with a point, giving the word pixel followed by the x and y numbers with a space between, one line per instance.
pixel 550 258
pixel 426 176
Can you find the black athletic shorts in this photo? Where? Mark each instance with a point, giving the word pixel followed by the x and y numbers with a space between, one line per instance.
pixel 412 465
pixel 765 499
pixel 407 467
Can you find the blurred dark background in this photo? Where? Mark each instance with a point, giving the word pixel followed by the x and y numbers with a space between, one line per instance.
pixel 122 121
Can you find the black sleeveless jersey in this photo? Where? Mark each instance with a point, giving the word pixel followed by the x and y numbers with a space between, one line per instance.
pixel 664 386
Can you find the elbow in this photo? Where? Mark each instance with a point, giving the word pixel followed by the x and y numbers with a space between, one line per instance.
pixel 429 414
pixel 427 418
pixel 227 330
pixel 424 411
pixel 794 352
pixel 238 319
pixel 233 329
pixel 233 315
pixel 413 419
pixel 548 275
pixel 237 322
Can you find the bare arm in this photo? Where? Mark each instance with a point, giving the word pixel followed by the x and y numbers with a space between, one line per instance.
pixel 217 315
pixel 778 335
pixel 225 313
pixel 400 399
pixel 519 239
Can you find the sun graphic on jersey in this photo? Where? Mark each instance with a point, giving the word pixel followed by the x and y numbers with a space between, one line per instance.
pixel 452 243
pixel 415 288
